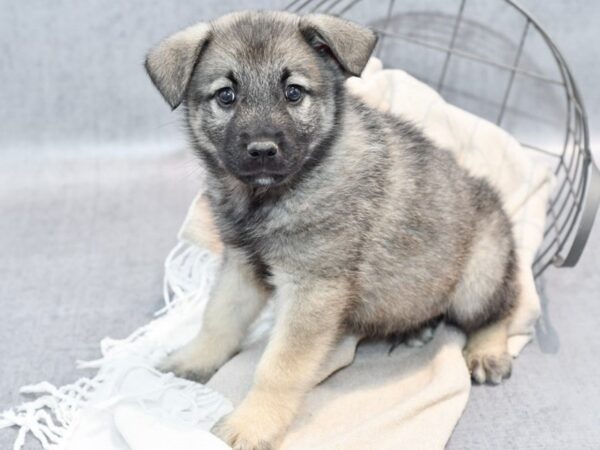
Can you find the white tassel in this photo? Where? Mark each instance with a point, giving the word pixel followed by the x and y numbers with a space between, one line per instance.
pixel 189 272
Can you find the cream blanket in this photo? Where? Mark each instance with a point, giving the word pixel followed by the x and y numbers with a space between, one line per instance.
pixel 410 399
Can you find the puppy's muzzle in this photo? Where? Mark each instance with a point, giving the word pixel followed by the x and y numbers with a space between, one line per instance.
pixel 262 159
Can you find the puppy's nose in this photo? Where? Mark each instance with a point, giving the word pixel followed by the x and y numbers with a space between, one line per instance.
pixel 262 149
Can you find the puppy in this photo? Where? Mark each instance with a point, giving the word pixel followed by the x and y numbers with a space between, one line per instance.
pixel 350 218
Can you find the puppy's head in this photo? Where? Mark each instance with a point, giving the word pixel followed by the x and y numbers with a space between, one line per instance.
pixel 261 89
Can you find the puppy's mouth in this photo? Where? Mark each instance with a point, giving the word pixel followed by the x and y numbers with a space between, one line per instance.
pixel 263 178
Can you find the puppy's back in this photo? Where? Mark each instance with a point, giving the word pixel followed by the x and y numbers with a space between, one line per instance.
pixel 434 231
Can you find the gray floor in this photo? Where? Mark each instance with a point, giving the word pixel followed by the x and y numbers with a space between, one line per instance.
pixel 82 242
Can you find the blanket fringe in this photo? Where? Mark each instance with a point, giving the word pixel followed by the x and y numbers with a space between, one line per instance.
pixel 50 418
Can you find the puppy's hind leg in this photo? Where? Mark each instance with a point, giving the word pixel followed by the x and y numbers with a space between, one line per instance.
pixel 482 304
pixel 236 299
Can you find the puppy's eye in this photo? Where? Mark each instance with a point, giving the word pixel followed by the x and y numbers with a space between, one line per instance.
pixel 226 96
pixel 293 93
pixel 321 48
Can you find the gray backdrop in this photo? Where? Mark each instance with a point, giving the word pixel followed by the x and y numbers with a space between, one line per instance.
pixel 71 75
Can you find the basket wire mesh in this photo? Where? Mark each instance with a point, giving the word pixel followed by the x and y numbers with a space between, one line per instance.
pixel 500 56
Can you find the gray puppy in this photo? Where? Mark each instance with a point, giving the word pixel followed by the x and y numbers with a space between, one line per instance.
pixel 350 218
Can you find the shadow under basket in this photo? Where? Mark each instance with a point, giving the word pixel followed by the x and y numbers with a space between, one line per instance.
pixel 490 57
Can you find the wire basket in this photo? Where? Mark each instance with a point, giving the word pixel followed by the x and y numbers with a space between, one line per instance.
pixel 493 59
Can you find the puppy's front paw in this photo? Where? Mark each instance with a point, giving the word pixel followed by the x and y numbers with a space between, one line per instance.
pixel 488 366
pixel 186 364
pixel 242 432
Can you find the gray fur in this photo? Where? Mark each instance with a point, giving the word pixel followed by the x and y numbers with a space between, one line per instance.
pixel 357 207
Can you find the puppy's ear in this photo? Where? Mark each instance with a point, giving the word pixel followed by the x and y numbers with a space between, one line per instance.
pixel 171 63
pixel 350 44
